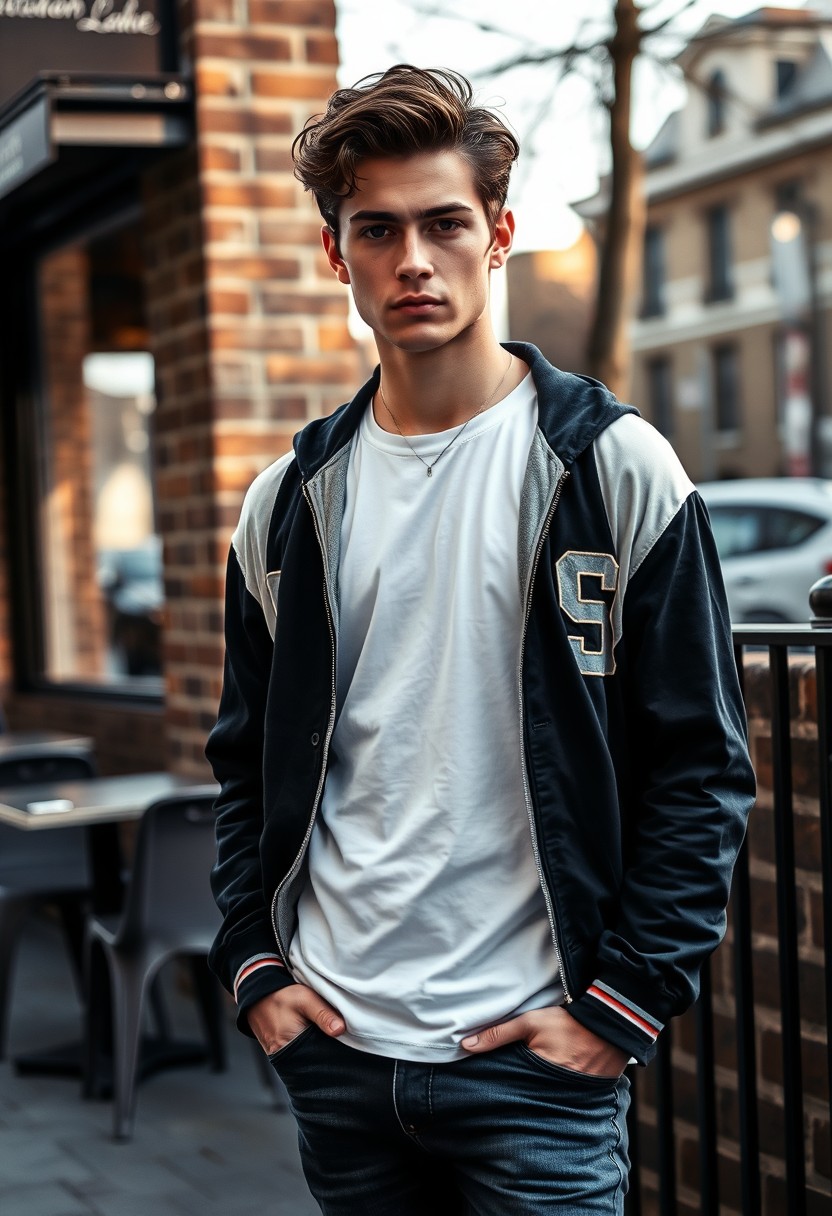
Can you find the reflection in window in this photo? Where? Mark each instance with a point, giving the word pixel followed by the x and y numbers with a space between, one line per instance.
pixel 736 530
pixel 788 528
pixel 101 567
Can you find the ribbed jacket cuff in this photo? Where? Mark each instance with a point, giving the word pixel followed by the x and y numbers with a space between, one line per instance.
pixel 258 977
pixel 618 1019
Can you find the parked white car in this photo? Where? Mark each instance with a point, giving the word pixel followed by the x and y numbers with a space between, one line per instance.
pixel 774 537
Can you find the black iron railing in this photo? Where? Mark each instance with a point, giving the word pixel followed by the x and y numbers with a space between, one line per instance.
pixel 665 1180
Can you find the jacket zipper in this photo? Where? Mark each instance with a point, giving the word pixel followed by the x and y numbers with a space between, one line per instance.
pixel 284 951
pixel 550 909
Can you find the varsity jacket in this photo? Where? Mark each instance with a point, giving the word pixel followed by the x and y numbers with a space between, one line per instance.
pixel 637 782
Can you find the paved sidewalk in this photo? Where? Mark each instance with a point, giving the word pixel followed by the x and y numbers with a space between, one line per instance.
pixel 205 1144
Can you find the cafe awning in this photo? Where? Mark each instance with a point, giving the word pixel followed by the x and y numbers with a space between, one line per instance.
pixel 63 131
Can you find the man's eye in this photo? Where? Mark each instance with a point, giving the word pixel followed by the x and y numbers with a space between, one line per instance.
pixel 375 232
pixel 448 225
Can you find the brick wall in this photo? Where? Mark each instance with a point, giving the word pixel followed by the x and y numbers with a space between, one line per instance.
pixel 762 865
pixel 183 446
pixel 248 322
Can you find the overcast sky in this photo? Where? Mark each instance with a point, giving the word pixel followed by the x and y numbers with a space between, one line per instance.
pixel 562 131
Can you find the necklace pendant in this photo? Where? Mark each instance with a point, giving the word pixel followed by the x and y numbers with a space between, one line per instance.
pixel 430 470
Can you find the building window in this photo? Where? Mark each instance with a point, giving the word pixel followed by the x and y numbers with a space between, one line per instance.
pixel 789 196
pixel 101 572
pixel 720 276
pixel 716 95
pixel 785 75
pixel 653 273
pixel 726 388
pixel 779 352
pixel 660 394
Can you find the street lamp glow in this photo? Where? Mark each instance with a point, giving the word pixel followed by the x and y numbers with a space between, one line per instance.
pixel 785 227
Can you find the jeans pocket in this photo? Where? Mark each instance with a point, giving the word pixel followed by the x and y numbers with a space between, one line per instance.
pixel 569 1075
pixel 277 1057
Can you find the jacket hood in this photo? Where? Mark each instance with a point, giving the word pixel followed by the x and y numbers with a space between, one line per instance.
pixel 573 410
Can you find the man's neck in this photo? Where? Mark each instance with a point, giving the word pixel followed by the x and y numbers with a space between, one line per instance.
pixel 432 391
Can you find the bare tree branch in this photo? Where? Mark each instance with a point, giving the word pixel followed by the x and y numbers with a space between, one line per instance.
pixel 538 57
pixel 649 31
pixel 486 27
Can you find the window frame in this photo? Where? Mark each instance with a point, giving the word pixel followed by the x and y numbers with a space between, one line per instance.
pixel 26 452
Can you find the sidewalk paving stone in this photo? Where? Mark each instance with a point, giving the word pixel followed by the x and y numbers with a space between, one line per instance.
pixel 204 1144
pixel 42 1200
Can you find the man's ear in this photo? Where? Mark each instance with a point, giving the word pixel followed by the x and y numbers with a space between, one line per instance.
pixel 503 238
pixel 335 260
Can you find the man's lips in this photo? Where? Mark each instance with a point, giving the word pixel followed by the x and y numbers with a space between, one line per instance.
pixel 417 304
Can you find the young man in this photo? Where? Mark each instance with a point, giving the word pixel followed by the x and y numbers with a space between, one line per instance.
pixel 481 745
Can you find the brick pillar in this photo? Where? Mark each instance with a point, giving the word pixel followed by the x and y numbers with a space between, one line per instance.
pixel 249 323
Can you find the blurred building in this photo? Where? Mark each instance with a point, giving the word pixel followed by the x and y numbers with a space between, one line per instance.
pixel 731 337
pixel 551 297
pixel 167 322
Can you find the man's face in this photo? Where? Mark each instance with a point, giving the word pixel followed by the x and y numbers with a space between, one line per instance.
pixel 416 249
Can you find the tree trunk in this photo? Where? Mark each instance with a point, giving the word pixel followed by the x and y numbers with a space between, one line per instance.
pixel 623 240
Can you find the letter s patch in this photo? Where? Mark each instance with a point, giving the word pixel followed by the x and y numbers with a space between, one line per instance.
pixel 593 652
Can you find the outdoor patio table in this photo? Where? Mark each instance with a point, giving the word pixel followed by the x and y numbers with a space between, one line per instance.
pixel 35 808
pixel 20 744
pixel 98 804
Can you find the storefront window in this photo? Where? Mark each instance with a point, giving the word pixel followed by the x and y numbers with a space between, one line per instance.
pixel 101 564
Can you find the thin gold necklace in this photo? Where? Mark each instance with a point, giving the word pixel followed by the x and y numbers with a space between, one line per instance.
pixel 485 404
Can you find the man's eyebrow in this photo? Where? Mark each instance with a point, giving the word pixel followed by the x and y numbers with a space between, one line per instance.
pixel 430 213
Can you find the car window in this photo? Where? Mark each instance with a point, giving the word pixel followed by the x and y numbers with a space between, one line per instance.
pixel 737 530
pixel 752 529
pixel 786 528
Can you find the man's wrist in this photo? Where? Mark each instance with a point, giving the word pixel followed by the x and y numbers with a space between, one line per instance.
pixel 617 1019
pixel 257 984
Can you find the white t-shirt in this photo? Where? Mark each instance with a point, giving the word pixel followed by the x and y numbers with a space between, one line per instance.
pixel 423 918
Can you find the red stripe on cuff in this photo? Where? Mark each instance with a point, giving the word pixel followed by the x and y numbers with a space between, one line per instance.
pixel 252 967
pixel 622 1009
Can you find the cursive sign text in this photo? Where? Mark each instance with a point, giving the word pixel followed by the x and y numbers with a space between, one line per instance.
pixel 104 19
pixel 56 10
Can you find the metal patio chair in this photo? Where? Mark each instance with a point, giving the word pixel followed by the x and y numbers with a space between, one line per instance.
pixel 41 867
pixel 169 911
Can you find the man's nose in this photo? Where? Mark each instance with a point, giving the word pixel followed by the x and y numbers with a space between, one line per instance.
pixel 414 260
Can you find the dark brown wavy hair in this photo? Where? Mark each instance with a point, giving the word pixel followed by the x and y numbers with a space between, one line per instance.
pixel 397 113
